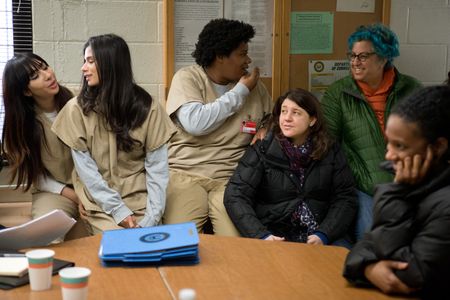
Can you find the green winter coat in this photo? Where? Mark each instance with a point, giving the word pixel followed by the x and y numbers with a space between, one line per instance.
pixel 353 123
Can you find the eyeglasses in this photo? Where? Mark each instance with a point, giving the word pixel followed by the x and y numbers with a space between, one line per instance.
pixel 363 56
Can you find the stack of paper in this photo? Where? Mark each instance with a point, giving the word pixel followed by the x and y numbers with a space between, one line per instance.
pixel 13 266
pixel 38 232
pixel 20 278
pixel 160 245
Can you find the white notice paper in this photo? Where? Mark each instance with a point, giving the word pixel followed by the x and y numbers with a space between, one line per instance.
pixel 259 14
pixel 366 6
pixel 192 15
pixel 323 73
pixel 190 18
pixel 38 232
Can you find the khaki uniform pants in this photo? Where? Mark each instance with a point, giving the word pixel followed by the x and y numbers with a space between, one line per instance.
pixel 45 202
pixel 195 198
pixel 99 221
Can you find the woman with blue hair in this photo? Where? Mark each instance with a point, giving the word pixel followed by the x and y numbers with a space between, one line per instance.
pixel 357 106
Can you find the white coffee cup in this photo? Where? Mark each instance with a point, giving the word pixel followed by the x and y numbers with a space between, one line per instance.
pixel 40 267
pixel 74 283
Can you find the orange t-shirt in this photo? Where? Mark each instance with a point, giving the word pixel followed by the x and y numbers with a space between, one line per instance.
pixel 377 98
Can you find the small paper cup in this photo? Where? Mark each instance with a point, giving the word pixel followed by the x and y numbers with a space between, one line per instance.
pixel 74 283
pixel 40 267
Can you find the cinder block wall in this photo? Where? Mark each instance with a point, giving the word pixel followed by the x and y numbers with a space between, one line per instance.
pixel 61 27
pixel 423 27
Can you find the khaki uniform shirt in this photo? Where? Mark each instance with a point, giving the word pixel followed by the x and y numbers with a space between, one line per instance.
pixel 55 154
pixel 214 155
pixel 123 171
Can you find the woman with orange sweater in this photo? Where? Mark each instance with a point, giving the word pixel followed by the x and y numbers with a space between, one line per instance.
pixel 357 106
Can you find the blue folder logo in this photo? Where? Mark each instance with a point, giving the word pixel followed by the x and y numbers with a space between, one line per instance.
pixel 154 237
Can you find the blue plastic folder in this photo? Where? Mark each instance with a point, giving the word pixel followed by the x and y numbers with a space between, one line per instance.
pixel 175 244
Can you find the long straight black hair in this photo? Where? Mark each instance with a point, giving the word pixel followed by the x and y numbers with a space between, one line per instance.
pixel 23 133
pixel 122 103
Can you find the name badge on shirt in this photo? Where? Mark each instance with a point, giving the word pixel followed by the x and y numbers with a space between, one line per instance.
pixel 248 126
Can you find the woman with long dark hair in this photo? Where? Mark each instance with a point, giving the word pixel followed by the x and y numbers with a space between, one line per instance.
pixel 118 138
pixel 295 184
pixel 32 99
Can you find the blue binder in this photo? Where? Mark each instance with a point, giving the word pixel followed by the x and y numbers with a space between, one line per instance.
pixel 165 244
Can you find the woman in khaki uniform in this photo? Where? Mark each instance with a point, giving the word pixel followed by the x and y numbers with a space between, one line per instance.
pixel 33 98
pixel 217 105
pixel 118 138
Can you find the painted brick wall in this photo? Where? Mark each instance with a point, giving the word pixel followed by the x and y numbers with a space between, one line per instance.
pixel 61 27
pixel 423 27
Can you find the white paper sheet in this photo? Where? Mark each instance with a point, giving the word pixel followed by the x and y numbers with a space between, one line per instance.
pixel 192 15
pixel 259 14
pixel 36 233
pixel 13 266
pixel 190 18
pixel 366 6
pixel 323 73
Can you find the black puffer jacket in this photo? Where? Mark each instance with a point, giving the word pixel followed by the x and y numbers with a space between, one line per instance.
pixel 263 193
pixel 411 224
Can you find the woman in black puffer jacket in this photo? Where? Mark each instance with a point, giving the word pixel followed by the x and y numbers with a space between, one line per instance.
pixel 294 184
pixel 408 247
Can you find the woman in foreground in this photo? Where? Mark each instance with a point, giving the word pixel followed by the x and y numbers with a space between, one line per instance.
pixel 407 249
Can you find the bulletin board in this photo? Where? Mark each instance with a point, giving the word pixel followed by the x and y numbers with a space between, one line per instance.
pixel 171 57
pixel 288 70
pixel 295 66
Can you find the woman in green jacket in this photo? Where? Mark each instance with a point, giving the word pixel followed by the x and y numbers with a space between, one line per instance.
pixel 357 106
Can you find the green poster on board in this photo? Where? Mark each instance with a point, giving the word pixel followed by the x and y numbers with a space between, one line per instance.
pixel 312 32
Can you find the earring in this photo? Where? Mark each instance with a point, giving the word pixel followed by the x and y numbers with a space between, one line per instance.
pixel 311 124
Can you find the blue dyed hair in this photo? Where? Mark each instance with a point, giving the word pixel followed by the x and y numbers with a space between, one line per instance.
pixel 384 41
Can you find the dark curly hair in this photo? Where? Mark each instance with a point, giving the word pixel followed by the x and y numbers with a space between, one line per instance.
pixel 320 138
pixel 384 41
pixel 219 38
pixel 429 108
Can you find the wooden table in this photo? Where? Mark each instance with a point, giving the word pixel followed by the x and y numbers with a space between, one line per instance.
pixel 104 283
pixel 238 268
pixel 230 268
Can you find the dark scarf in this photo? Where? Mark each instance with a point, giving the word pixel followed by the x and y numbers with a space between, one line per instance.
pixel 302 219
pixel 299 156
